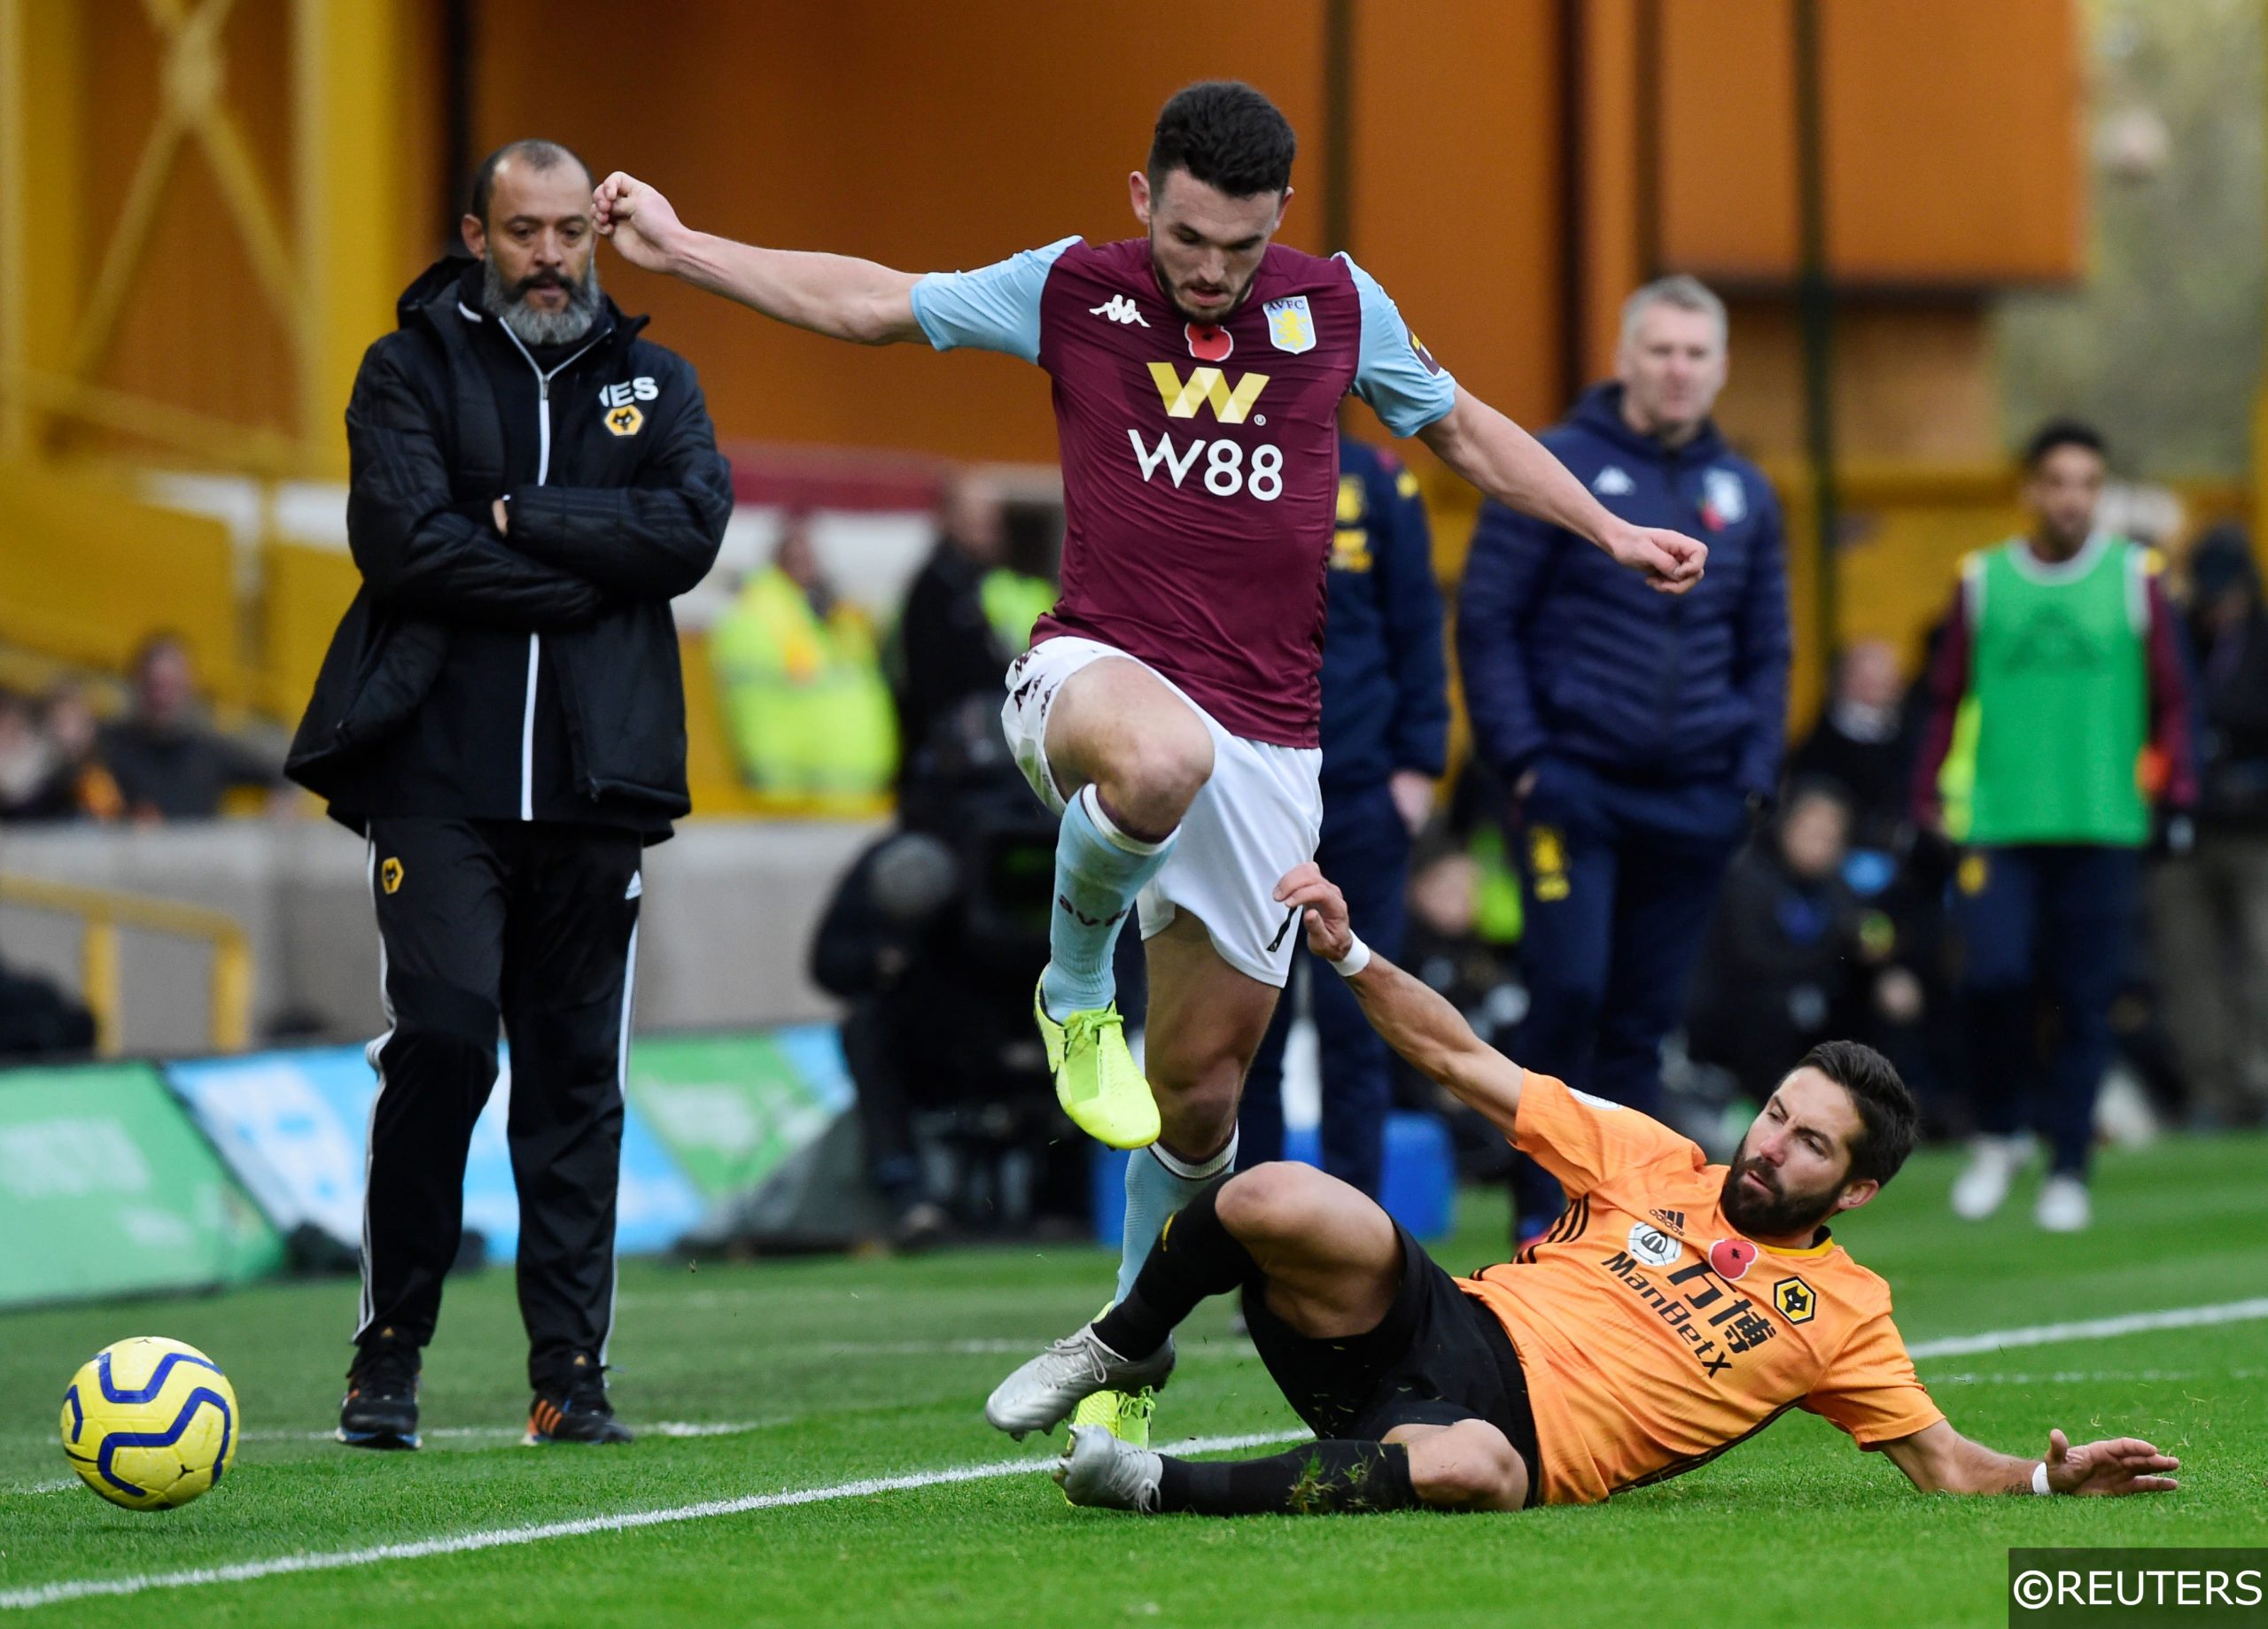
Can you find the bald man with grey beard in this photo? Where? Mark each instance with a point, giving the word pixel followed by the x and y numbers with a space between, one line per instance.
pixel 501 717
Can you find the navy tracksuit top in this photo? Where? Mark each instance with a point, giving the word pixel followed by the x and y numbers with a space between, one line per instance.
pixel 1567 654
pixel 1385 672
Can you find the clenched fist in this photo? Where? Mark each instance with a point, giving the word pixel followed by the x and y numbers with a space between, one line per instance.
pixel 639 220
pixel 1670 561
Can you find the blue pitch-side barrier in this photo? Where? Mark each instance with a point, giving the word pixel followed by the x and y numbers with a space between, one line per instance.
pixel 294 1126
pixel 1420 1188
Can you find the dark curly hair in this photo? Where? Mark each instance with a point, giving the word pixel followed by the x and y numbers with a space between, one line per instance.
pixel 1888 1118
pixel 1226 134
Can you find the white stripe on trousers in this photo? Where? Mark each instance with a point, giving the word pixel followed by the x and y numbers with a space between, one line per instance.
pixel 622 1086
pixel 374 1052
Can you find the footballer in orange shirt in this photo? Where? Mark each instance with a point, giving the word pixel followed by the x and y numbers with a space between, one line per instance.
pixel 1677 1309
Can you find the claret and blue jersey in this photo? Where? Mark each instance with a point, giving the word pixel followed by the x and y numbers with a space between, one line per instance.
pixel 1201 461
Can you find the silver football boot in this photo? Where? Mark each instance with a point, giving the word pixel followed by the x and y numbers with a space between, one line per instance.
pixel 1103 1473
pixel 1039 1395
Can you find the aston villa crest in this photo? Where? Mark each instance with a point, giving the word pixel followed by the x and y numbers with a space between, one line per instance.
pixel 1291 326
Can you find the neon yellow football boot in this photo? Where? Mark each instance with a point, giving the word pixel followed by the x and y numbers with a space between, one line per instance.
pixel 1124 1414
pixel 1096 1080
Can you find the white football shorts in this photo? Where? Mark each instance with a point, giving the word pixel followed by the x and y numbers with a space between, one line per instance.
pixel 1257 818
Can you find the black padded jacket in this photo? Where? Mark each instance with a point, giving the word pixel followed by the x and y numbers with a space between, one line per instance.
pixel 530 674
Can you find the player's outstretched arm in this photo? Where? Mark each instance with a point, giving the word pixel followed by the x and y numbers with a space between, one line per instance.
pixel 1414 1019
pixel 830 294
pixel 1514 468
pixel 1941 1460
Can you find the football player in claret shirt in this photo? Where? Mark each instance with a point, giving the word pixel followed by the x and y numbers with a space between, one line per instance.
pixel 1677 1309
pixel 1168 708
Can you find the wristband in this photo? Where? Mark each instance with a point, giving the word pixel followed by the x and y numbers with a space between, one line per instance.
pixel 2040 1479
pixel 1357 958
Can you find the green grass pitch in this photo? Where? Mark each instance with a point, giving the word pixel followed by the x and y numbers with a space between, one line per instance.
pixel 779 1376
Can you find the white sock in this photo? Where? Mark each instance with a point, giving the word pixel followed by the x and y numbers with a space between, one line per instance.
pixel 1157 1185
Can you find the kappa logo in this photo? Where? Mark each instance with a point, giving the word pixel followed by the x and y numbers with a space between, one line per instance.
pixel 1121 309
pixel 1232 404
pixel 390 874
pixel 1614 482
pixel 1648 1243
pixel 1082 918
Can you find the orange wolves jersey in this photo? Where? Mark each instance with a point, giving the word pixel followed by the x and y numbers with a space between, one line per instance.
pixel 1655 1336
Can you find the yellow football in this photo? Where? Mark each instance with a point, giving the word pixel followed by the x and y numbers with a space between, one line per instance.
pixel 150 1423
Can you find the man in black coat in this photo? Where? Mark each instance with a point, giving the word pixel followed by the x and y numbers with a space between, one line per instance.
pixel 501 715
pixel 947 648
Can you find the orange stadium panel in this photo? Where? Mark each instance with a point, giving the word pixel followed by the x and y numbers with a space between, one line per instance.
pixel 926 138
pixel 1953 140
pixel 1455 208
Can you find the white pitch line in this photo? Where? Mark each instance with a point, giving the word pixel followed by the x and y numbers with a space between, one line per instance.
pixel 452 1544
pixel 538 1532
pixel 489 1434
pixel 513 1433
pixel 1236 1351
pixel 2096 1376
pixel 2093 1328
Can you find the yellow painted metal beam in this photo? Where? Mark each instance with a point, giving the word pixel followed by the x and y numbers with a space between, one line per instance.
pixel 103 911
pixel 257 223
pixel 347 72
pixel 128 237
pixel 221 443
pixel 14 416
pixel 42 200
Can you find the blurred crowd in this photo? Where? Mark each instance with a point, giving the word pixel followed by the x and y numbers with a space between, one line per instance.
pixel 1833 920
pixel 1837 911
pixel 828 713
pixel 159 759
pixel 1837 916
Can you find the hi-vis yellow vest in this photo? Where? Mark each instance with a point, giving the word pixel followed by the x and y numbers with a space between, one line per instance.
pixel 811 717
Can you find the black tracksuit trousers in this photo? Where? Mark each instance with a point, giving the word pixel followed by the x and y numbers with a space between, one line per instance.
pixel 534 924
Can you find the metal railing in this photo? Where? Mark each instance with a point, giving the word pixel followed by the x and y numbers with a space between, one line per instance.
pixel 102 912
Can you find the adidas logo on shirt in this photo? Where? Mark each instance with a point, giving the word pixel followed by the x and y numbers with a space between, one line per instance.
pixel 1119 309
pixel 1613 482
pixel 1674 1219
